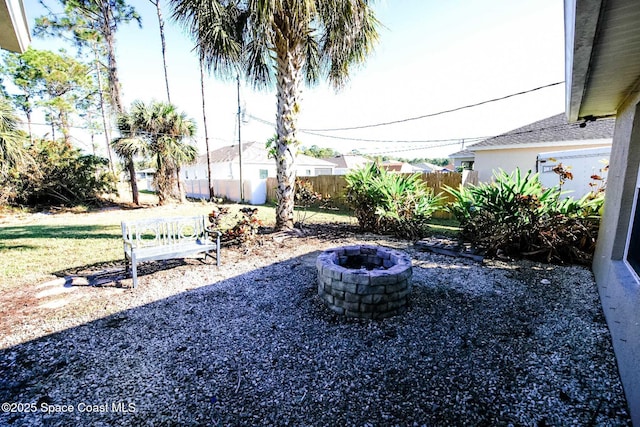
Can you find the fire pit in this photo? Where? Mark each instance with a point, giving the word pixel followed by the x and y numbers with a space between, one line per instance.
pixel 364 281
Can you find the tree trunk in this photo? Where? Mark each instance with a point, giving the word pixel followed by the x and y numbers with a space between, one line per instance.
pixel 64 127
pixel 28 113
pixel 114 86
pixel 289 81
pixel 103 110
pixel 134 183
pixel 182 194
pixel 156 3
pixel 114 80
pixel 161 180
pixel 206 133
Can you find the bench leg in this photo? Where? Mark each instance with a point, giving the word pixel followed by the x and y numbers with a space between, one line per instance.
pixel 218 250
pixel 134 271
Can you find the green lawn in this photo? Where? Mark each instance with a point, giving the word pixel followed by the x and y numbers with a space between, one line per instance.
pixel 33 247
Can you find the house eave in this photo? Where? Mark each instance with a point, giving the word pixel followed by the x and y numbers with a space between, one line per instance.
pixel 602 56
pixel 14 30
pixel 603 141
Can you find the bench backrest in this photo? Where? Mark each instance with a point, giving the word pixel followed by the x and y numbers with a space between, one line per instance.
pixel 163 231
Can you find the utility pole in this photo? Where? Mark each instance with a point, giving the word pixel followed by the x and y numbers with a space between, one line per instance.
pixel 240 141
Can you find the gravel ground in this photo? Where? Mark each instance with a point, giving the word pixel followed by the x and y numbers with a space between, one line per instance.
pixel 250 343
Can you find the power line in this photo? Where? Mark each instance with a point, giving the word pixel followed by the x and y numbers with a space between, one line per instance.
pixel 402 141
pixel 445 144
pixel 434 114
pixel 401 150
pixel 458 140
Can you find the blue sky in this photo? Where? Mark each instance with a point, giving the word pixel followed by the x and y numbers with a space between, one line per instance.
pixel 432 56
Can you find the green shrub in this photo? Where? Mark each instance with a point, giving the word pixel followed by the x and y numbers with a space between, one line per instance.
pixel 363 195
pixel 391 203
pixel 305 198
pixel 515 215
pixel 61 175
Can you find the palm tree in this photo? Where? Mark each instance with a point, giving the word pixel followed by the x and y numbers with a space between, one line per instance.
pixel 13 153
pixel 128 146
pixel 158 130
pixel 291 40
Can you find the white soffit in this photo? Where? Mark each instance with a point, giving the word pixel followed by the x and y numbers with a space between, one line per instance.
pixel 14 31
pixel 603 55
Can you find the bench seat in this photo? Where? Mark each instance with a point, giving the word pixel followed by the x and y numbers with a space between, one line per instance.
pixel 157 239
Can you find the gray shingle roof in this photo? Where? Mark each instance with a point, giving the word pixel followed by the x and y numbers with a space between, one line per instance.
pixel 555 128
pixel 464 153
pixel 348 161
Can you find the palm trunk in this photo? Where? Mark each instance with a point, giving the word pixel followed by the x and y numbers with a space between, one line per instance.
pixel 206 133
pixel 134 183
pixel 182 194
pixel 289 80
pixel 164 46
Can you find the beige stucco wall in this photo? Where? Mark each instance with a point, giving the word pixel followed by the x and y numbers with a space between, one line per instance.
pixel 618 287
pixel 524 158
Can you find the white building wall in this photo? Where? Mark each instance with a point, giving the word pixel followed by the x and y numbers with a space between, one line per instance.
pixel 250 171
pixel 487 161
pixel 226 179
pixel 255 191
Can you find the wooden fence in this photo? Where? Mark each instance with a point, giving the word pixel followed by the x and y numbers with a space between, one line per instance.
pixel 334 186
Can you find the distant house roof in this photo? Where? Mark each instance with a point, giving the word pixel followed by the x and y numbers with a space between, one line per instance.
pixel 348 161
pixel 392 165
pixel 468 153
pixel 430 167
pixel 552 129
pixel 396 166
pixel 254 152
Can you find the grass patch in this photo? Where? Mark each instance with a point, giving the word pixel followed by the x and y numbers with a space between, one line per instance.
pixel 444 227
pixel 36 247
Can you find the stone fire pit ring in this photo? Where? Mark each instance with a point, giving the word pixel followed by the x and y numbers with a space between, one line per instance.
pixel 364 281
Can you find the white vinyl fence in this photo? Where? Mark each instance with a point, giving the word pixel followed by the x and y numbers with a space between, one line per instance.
pixel 255 191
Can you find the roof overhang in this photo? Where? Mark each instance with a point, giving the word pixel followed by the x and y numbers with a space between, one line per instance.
pixel 14 31
pixel 545 144
pixel 602 56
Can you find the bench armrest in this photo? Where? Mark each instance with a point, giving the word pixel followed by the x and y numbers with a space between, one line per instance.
pixel 128 244
pixel 211 231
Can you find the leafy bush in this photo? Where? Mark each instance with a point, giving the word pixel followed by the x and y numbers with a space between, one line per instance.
pixel 363 195
pixel 389 202
pixel 244 230
pixel 515 215
pixel 61 175
pixel 305 198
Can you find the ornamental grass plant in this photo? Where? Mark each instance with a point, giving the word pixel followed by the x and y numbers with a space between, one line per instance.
pixel 515 216
pixel 385 202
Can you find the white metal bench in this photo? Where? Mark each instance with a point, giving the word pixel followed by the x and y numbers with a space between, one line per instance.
pixel 167 238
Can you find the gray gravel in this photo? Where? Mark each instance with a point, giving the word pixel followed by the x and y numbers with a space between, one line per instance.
pixel 252 344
